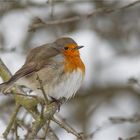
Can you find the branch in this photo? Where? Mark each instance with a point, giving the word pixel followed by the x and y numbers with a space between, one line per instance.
pixel 133 119
pixel 12 120
pixel 68 128
pixel 106 10
pixel 42 89
pixel 41 120
pixel 119 120
pixel 51 135
pixel 5 74
pixel 136 137
pixel 130 4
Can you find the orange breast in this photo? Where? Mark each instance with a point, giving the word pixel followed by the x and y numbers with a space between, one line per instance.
pixel 72 63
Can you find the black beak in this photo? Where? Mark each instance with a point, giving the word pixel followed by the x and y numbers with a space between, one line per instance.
pixel 79 47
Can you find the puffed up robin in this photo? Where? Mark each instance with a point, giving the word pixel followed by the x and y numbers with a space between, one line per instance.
pixel 57 64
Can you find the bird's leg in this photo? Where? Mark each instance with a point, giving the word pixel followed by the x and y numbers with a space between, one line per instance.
pixel 57 101
pixel 42 88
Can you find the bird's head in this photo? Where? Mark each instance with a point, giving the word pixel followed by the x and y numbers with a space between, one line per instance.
pixel 67 46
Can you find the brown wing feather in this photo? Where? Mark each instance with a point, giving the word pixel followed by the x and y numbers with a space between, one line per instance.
pixel 25 70
pixel 40 53
pixel 36 59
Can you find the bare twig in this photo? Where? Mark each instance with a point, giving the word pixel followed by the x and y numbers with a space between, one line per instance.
pixel 51 135
pixel 12 119
pixel 16 130
pixel 133 119
pixel 135 137
pixel 106 10
pixel 68 128
pixel 51 2
pixel 118 120
pixel 130 4
pixel 42 89
pixel 40 121
pixel 46 129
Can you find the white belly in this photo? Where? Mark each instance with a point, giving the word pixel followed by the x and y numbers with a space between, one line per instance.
pixel 64 86
pixel 68 86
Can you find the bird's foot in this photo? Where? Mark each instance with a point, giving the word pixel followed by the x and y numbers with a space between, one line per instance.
pixel 59 102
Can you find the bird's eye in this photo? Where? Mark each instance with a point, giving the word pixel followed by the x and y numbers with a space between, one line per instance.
pixel 66 48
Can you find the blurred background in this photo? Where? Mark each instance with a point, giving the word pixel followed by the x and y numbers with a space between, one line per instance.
pixel 107 107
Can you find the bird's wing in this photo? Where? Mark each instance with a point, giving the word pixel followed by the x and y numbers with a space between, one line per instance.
pixel 36 59
pixel 45 51
pixel 25 70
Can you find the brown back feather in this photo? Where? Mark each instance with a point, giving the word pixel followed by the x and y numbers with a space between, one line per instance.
pixel 36 59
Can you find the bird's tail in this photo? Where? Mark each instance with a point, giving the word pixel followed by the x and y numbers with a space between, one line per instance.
pixel 4 87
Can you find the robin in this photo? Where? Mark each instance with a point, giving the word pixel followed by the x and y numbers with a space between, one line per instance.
pixel 57 64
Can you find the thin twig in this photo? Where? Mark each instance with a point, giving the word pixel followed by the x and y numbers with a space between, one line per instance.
pixel 49 111
pixel 12 119
pixel 130 4
pixel 68 128
pixel 135 137
pixel 46 130
pixel 52 8
pixel 106 10
pixel 42 89
pixel 16 130
pixel 120 120
pixel 47 126
pixel 51 135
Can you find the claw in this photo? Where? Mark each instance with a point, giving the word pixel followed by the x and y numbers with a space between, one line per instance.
pixel 58 102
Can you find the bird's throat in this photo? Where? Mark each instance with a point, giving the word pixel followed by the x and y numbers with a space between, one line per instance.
pixel 73 63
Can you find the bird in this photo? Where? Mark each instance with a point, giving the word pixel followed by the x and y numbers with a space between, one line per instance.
pixel 57 64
